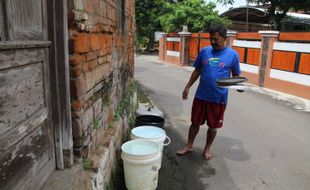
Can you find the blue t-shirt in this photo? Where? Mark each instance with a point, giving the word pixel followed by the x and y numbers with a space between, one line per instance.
pixel 213 65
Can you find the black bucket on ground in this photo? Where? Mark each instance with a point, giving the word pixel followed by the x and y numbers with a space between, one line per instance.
pixel 150 120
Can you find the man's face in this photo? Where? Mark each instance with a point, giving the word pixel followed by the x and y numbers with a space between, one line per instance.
pixel 217 41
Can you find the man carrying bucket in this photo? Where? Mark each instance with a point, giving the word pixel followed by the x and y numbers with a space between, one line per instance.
pixel 213 62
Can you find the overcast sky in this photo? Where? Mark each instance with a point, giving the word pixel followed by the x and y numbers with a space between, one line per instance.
pixel 221 8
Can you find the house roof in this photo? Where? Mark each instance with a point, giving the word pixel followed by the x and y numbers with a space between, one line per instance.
pixel 258 15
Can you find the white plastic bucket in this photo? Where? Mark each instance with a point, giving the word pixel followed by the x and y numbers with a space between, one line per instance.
pixel 141 160
pixel 151 133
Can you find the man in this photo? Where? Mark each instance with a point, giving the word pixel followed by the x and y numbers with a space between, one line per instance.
pixel 213 62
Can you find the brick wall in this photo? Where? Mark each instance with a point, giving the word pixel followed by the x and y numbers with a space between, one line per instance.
pixel 101 48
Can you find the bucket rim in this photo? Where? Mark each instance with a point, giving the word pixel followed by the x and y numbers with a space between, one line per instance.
pixel 150 115
pixel 140 140
pixel 161 119
pixel 160 131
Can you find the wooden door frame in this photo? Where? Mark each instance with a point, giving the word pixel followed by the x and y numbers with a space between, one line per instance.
pixel 59 79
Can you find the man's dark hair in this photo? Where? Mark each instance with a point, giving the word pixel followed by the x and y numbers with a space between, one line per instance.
pixel 218 28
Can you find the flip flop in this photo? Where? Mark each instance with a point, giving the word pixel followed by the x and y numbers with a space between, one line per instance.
pixel 184 151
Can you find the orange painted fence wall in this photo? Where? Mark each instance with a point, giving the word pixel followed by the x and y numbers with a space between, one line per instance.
pixel 249 56
pixel 298 62
pixel 289 62
pixel 282 60
pixel 197 42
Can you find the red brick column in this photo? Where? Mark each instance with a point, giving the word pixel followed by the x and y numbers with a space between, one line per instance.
pixel 269 37
pixel 231 36
pixel 163 48
pixel 184 48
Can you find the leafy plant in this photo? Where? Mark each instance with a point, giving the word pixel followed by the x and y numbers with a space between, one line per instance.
pixel 86 164
pixel 95 123
pixel 124 102
pixel 132 120
pixel 110 125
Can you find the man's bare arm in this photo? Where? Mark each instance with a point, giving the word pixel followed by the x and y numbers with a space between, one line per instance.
pixel 195 75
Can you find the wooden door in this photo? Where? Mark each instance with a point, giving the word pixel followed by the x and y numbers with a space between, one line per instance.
pixel 26 135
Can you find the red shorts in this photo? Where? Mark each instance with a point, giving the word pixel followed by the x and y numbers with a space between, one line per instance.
pixel 212 112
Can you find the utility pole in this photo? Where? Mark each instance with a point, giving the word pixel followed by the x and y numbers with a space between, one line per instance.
pixel 247 16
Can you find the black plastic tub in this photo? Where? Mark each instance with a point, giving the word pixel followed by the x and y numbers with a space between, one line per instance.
pixel 150 120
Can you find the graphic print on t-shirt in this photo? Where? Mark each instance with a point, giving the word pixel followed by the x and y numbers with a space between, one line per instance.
pixel 215 62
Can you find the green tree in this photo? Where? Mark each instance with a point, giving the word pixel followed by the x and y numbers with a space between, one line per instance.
pixel 277 9
pixel 196 14
pixel 170 15
pixel 147 20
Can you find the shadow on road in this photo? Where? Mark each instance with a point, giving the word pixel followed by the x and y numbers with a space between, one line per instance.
pixel 192 171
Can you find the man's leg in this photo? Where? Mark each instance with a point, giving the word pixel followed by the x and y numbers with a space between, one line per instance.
pixel 210 138
pixel 215 116
pixel 192 132
pixel 197 118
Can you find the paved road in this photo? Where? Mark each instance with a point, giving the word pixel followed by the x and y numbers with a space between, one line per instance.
pixel 264 144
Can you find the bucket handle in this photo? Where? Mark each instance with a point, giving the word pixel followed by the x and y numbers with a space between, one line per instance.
pixel 169 141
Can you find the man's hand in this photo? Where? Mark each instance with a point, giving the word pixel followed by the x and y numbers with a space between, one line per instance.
pixel 185 93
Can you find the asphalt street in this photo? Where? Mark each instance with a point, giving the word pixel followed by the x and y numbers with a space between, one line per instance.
pixel 264 143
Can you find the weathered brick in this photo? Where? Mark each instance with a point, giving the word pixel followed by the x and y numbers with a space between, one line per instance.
pixel 78 5
pixel 109 11
pixel 86 140
pixel 103 8
pixel 101 53
pixel 81 27
pixel 97 107
pixel 76 59
pixel 77 104
pixel 85 67
pixel 90 6
pixel 109 41
pixel 76 71
pixel 85 151
pixel 90 80
pixel 103 41
pixel 77 114
pixel 83 16
pixel 109 58
pixel 109 116
pixel 82 43
pixel 93 28
pixel 87 118
pixel 97 19
pixel 94 42
pixel 77 87
pixel 92 65
pixel 102 72
pixel 91 56
pixel 71 21
pixel 101 26
pixel 77 128
pixel 98 74
pixel 113 14
pixel 101 60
